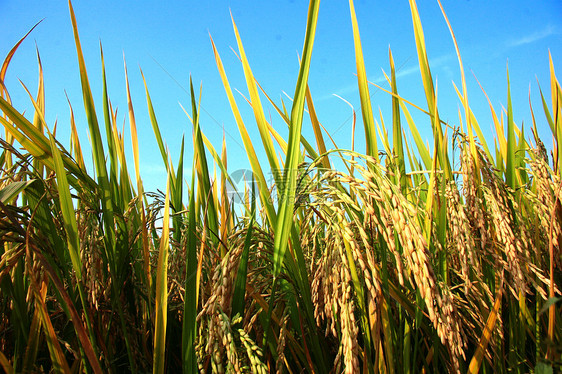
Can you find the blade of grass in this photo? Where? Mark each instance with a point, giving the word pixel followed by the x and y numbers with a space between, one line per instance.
pixel 33 341
pixel 252 157
pixel 430 92
pixel 71 229
pixel 154 123
pixel 476 361
pixel 381 129
pixel 287 198
pixel 68 306
pixel 366 109
pixel 161 297
pixel 95 137
pixel 226 216
pixel 422 148
pixel 285 227
pixel 466 107
pixel 110 123
pixel 317 129
pixel 39 114
pixel 75 148
pixel 11 191
pixel 8 368
pixel 57 356
pixel 239 294
pixel 556 94
pixel 510 171
pixel 256 104
pixel 397 128
pixel 67 210
pixel 27 135
pixel 283 113
pixel 140 188
pixel 203 178
pixel 8 59
pixel 189 329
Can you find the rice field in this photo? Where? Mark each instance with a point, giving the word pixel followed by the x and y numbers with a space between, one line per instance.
pixel 406 258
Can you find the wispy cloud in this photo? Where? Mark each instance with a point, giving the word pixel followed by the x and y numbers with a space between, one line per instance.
pixel 401 73
pixel 434 63
pixel 531 38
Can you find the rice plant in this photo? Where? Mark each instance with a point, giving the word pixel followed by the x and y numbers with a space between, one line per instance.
pixel 405 258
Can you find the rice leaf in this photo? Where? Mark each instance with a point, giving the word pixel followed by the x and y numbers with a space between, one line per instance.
pixel 25 133
pixel 239 293
pixel 31 351
pixel 67 210
pixel 510 157
pixel 288 190
pixel 95 136
pixel 398 150
pixel 250 152
pixel 57 356
pixel 476 361
pixel 366 109
pixel 9 192
pixel 75 146
pixel 556 94
pixel 189 328
pixel 422 148
pixel 110 123
pixel 8 368
pixel 317 129
pixel 466 107
pixel 203 178
pixel 8 59
pixel 430 94
pixel 154 123
pixel 68 306
pixel 256 105
pixel 161 296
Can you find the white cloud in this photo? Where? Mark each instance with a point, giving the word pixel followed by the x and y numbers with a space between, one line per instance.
pixel 434 63
pixel 531 38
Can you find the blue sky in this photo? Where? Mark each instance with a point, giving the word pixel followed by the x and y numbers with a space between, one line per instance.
pixel 169 40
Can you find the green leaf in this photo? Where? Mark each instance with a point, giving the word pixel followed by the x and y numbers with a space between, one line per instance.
pixel 431 97
pixel 9 57
pixel 12 190
pixel 398 148
pixel 95 136
pixel 366 109
pixel 67 209
pixel 203 178
pixel 189 329
pixel 288 190
pixel 238 298
pixel 263 189
pixel 510 176
pixel 161 297
pixel 256 105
